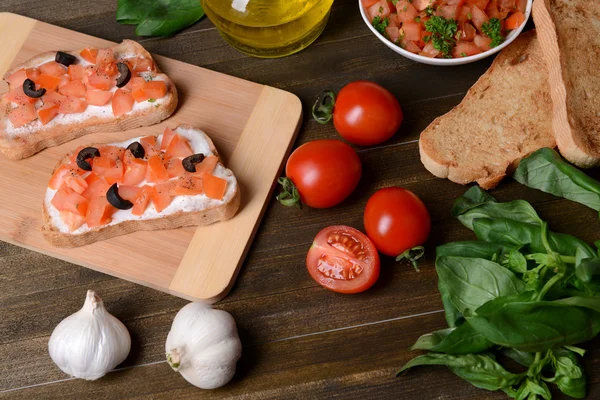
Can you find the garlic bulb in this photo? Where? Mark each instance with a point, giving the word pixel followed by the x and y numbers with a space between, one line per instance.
pixel 90 342
pixel 203 345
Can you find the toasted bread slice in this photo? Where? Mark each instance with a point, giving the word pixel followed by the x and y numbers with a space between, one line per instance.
pixel 503 118
pixel 183 210
pixel 24 141
pixel 569 32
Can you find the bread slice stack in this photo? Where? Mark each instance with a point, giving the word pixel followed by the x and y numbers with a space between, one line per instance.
pixel 542 90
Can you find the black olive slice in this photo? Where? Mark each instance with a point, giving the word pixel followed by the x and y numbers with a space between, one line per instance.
pixel 137 150
pixel 124 74
pixel 84 155
pixel 29 89
pixel 189 163
pixel 117 201
pixel 64 58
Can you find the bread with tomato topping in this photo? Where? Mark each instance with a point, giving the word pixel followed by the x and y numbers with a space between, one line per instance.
pixel 163 192
pixel 82 98
pixel 563 26
pixel 505 116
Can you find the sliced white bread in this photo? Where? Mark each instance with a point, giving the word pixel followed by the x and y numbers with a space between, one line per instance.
pixel 504 117
pixel 569 32
pixel 184 210
pixel 24 141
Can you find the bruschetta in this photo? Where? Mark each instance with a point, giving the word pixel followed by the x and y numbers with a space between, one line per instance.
pixel 58 96
pixel 104 190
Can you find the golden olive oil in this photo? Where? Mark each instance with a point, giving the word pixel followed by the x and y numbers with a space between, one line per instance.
pixel 269 28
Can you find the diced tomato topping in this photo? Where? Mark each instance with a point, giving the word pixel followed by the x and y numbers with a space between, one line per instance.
pixel 393 33
pixel 394 20
pixel 48 82
pixel 74 181
pixel 178 147
pixel 17 78
pixel 22 114
pixel 136 85
pixel 465 49
pixel 106 61
pixel 406 11
pixel 65 80
pixel 141 202
pixel 97 188
pixel 72 105
pixel 53 97
pixel 449 11
pixel 47 112
pixel 129 192
pixel 515 20
pixel 421 4
pixel 18 96
pixel 506 5
pixel 479 18
pixel 149 145
pixel 143 65
pixel 167 136
pixel 380 9
pixel 188 184
pixel 135 169
pixel 156 171
pixel 97 97
pixel 89 55
pixel 110 164
pixel 75 72
pixel 482 42
pixel 161 195
pixel 155 89
pixel 100 81
pixel 73 89
pixel 412 31
pixel 429 51
pixel 53 68
pixel 467 32
pixel 91 178
pixel 32 73
pixel 213 186
pixel 122 102
pixel 522 6
pixel 68 200
pixel 465 15
pixel 72 220
pixel 368 3
pixel 411 46
pixel 99 212
pixel 58 177
pixel 175 167
pixel 481 4
pixel 207 166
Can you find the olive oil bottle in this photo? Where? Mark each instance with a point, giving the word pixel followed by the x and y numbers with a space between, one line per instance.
pixel 269 28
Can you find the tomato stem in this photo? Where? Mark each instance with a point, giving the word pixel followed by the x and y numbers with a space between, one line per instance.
pixel 322 111
pixel 412 255
pixel 289 195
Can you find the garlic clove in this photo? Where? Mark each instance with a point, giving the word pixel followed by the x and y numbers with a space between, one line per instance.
pixel 90 342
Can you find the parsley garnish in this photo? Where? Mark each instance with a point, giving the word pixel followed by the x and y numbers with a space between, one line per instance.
pixel 151 100
pixel 469 16
pixel 442 34
pixel 417 19
pixel 429 10
pixel 380 24
pixel 463 54
pixel 492 29
pixel 394 2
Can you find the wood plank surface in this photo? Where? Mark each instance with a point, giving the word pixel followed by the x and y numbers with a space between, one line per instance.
pixel 300 341
pixel 253 127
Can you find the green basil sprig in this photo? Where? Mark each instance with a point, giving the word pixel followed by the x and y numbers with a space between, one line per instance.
pixel 159 17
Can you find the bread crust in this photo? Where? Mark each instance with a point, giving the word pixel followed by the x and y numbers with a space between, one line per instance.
pixel 179 219
pixel 484 137
pixel 19 146
pixel 576 127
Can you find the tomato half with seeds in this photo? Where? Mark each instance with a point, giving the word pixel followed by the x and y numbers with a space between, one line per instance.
pixel 343 259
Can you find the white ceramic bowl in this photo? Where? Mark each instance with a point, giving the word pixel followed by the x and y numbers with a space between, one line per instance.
pixel 446 61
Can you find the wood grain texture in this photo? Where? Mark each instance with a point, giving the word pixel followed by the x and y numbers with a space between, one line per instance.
pixel 300 340
pixel 220 105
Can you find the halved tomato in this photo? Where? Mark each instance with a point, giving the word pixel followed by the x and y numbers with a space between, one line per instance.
pixel 135 169
pixel 99 212
pixel 178 147
pixel 343 259
pixel 53 68
pixel 213 186
pixel 141 202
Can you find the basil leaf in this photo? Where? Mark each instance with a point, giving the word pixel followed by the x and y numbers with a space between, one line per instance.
pixel 473 249
pixel 480 370
pixel 537 326
pixel 475 204
pixel 471 282
pixel 461 340
pixel 593 303
pixel 159 17
pixel 545 170
pixel 570 376
pixel 522 357
pixel 491 306
pixel 587 269
pixel 515 261
pixel 453 316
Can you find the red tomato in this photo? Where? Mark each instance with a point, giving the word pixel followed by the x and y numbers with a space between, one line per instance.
pixel 343 259
pixel 364 113
pixel 397 221
pixel 324 172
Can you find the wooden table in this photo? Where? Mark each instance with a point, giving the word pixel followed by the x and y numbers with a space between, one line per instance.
pixel 300 341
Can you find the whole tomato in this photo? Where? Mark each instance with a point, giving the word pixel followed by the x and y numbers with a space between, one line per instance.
pixel 398 223
pixel 320 174
pixel 364 113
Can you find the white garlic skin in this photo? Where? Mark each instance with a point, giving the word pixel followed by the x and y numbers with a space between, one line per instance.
pixel 205 344
pixel 90 342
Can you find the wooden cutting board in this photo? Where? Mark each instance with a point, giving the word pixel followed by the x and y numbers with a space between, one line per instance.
pixel 253 127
